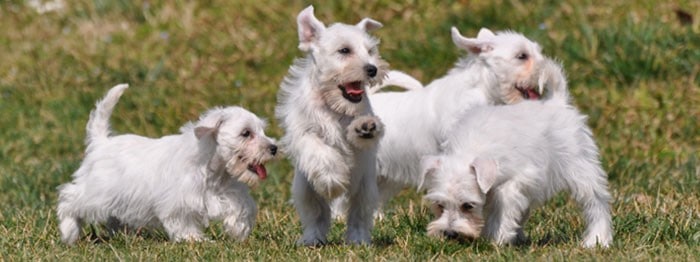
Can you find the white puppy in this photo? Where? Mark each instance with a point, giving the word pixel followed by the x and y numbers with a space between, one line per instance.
pixel 501 68
pixel 330 131
pixel 499 162
pixel 177 182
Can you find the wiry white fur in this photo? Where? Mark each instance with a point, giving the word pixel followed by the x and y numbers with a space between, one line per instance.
pixel 499 162
pixel 416 120
pixel 177 182
pixel 331 140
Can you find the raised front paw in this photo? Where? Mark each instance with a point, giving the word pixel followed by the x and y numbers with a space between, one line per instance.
pixel 364 131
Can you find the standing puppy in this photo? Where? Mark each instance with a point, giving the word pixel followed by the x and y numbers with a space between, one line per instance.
pixel 499 162
pixel 177 182
pixel 331 134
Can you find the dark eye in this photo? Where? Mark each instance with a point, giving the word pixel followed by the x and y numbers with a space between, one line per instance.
pixel 344 50
pixel 522 56
pixel 245 133
pixel 466 207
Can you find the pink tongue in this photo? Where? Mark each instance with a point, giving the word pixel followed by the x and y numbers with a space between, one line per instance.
pixel 261 171
pixel 532 95
pixel 354 89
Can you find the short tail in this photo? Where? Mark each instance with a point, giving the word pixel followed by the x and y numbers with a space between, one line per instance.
pixel 553 78
pixel 98 124
pixel 397 78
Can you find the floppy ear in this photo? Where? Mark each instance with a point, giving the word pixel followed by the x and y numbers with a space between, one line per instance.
pixel 369 24
pixel 310 28
pixel 473 45
pixel 429 166
pixel 203 131
pixel 486 172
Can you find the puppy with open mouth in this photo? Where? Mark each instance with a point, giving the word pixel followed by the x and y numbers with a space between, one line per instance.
pixel 331 133
pixel 177 182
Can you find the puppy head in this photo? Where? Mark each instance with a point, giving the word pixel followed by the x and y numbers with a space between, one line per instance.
pixel 457 193
pixel 512 58
pixel 242 148
pixel 346 60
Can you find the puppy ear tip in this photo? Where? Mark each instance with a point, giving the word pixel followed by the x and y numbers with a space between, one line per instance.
pixel 306 13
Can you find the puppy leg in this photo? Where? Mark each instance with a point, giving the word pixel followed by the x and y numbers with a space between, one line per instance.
pixel 505 210
pixel 592 195
pixel 69 225
pixel 239 226
pixel 313 210
pixel 183 228
pixel 326 169
pixel 362 201
pixel 240 223
pixel 70 229
pixel 233 205
pixel 339 207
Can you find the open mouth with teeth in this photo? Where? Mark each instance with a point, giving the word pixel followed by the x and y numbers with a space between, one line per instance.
pixel 528 92
pixel 259 170
pixel 352 91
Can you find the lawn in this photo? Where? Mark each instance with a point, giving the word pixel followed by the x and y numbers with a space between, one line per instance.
pixel 633 67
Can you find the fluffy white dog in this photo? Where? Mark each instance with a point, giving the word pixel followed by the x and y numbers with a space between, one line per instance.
pixel 501 68
pixel 499 162
pixel 177 182
pixel 330 132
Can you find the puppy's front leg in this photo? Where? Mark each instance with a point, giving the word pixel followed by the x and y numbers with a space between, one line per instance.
pixel 313 211
pixel 507 208
pixel 240 212
pixel 181 229
pixel 362 200
pixel 325 168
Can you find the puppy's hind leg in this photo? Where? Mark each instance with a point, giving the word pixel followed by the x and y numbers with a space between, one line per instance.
pixel 593 197
pixel 313 210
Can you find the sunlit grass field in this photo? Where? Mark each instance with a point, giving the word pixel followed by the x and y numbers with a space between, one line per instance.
pixel 633 67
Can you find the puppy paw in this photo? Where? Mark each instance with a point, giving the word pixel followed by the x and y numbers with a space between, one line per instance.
pixel 358 237
pixel 190 237
pixel 365 131
pixel 236 229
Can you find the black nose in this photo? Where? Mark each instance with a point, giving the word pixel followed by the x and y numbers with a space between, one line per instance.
pixel 450 234
pixel 371 70
pixel 273 149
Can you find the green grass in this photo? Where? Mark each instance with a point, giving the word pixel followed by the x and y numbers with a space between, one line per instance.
pixel 633 68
